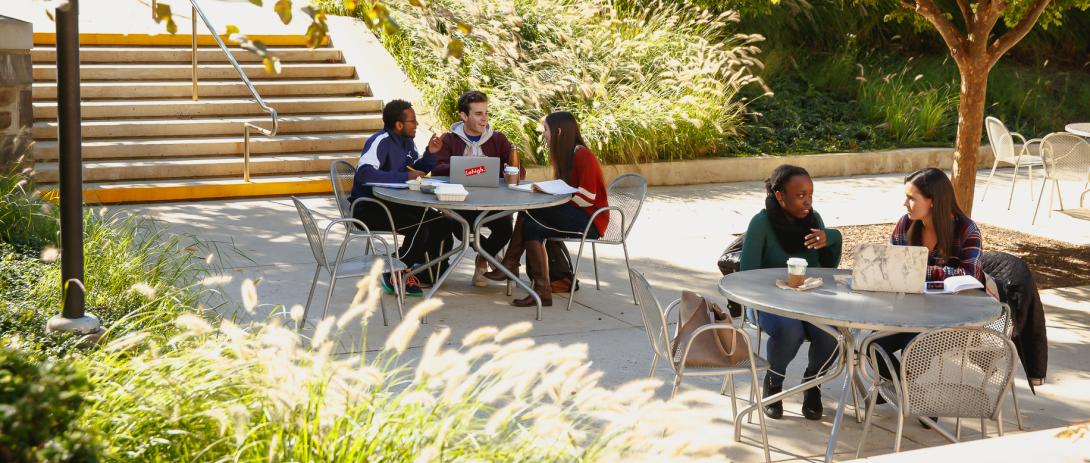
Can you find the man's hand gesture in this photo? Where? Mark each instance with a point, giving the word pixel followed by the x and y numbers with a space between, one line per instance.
pixel 435 144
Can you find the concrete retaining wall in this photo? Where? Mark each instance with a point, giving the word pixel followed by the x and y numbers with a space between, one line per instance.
pixel 16 78
pixel 723 170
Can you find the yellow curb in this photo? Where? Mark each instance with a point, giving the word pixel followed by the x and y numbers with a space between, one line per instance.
pixel 165 39
pixel 181 192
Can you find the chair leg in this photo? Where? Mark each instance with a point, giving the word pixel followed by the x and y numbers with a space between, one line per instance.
pixel 1040 196
pixel 900 431
pixel 1029 175
pixel 999 422
pixel 1014 180
pixel 329 295
pixel 632 284
pixel 677 385
pixel 575 273
pixel 654 364
pixel 310 295
pixel 1017 411
pixel 1059 194
pixel 957 429
pixel 399 289
pixel 382 308
pixel 983 428
pixel 594 258
pixel 760 413
pixel 988 183
pixel 728 385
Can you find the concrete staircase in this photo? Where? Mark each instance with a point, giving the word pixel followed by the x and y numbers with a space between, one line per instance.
pixel 146 139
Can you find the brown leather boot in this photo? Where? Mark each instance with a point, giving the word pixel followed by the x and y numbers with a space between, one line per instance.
pixel 538 263
pixel 511 256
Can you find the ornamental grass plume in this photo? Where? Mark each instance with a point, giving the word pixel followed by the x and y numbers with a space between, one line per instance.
pixel 261 392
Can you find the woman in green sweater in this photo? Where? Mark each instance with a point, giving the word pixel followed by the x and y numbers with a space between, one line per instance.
pixel 788 227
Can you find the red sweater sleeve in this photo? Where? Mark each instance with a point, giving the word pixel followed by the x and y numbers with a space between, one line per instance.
pixel 588 179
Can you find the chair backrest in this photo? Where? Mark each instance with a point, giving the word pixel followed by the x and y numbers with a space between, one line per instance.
pixel 957 372
pixel 626 192
pixel 654 321
pixel 1000 139
pixel 313 235
pixel 1066 156
pixel 341 175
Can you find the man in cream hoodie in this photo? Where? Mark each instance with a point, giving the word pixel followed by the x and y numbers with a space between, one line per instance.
pixel 474 137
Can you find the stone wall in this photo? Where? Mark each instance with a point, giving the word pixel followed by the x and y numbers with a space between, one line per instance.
pixel 16 77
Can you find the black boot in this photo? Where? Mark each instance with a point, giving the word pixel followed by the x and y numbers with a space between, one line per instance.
pixel 811 404
pixel 773 410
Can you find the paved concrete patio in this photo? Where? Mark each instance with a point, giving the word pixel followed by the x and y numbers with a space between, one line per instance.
pixel 678 238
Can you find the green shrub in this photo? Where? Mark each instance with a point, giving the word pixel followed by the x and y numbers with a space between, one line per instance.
pixel 25 218
pixel 649 83
pixel 40 401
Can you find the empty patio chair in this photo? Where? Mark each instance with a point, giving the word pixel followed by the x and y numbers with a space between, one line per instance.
pixel 1002 142
pixel 353 267
pixel 1066 157
pixel 951 372
pixel 625 194
pixel 655 324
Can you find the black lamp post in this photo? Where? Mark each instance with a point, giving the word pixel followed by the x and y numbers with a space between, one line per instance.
pixel 72 318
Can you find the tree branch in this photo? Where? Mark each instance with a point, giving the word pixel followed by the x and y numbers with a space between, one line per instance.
pixel 950 34
pixel 1008 40
pixel 966 13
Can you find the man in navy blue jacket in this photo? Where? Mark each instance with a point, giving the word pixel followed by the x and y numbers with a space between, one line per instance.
pixel 390 156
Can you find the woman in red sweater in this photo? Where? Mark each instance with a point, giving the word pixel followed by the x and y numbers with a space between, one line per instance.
pixel 574 163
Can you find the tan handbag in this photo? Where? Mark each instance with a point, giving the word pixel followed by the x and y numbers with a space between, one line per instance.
pixel 717 348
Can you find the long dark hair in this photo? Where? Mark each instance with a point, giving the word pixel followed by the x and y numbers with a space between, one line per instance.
pixel 565 137
pixel 935 185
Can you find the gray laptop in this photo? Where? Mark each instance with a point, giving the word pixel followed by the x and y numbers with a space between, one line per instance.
pixel 475 171
pixel 889 268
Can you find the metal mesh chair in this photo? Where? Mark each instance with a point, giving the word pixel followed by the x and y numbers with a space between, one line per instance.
pixel 341 176
pixel 1005 325
pixel 1002 142
pixel 951 372
pixel 655 324
pixel 1066 157
pixel 353 267
pixel 626 194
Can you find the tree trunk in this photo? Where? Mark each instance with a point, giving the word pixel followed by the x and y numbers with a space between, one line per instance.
pixel 974 85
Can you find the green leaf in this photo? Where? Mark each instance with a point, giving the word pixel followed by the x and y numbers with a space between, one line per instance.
pixel 272 64
pixel 283 8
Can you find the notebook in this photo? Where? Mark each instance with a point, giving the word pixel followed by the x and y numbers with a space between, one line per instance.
pixel 889 268
pixel 475 171
pixel 553 187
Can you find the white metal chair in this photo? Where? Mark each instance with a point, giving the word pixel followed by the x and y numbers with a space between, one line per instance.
pixel 626 194
pixel 1002 142
pixel 341 177
pixel 353 267
pixel 655 324
pixel 1066 157
pixel 950 372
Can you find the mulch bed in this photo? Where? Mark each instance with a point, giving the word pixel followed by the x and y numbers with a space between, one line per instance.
pixel 1055 264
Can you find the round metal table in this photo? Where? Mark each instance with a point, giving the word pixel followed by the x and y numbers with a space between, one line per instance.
pixel 837 310
pixel 496 202
pixel 1081 129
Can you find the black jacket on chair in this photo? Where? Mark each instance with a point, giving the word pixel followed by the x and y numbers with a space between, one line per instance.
pixel 1019 291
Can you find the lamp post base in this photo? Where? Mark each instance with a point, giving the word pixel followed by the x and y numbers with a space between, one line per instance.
pixel 88 326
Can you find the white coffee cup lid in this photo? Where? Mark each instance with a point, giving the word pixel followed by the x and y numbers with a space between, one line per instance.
pixel 510 170
pixel 797 262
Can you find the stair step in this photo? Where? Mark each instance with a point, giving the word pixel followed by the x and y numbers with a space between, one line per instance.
pixel 203 167
pixel 119 90
pixel 163 72
pixel 141 128
pixel 140 191
pixel 172 40
pixel 162 148
pixel 209 107
pixel 106 54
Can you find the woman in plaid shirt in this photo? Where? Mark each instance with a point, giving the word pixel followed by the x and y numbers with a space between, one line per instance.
pixel 934 220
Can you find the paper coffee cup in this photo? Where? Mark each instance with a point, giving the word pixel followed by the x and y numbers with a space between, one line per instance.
pixel 796 271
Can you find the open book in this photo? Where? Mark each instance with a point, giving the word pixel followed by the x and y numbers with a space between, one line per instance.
pixel 955 284
pixel 553 187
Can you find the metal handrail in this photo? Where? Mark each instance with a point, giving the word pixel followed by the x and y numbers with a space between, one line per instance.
pixel 246 126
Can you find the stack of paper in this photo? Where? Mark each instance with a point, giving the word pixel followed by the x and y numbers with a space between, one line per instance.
pixel 553 187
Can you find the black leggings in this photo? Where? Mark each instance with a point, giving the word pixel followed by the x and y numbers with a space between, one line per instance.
pixel 418 238
pixel 566 220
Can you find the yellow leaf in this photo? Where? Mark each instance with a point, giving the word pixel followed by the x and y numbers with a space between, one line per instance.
pixel 455 48
pixel 349 5
pixel 257 2
pixel 49 14
pixel 283 8
pixel 465 28
pixel 231 30
pixel 172 27
pixel 162 12
pixel 272 64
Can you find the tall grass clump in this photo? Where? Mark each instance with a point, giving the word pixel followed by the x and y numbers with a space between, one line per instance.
pixel 912 111
pixel 647 83
pixel 221 391
pixel 26 219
